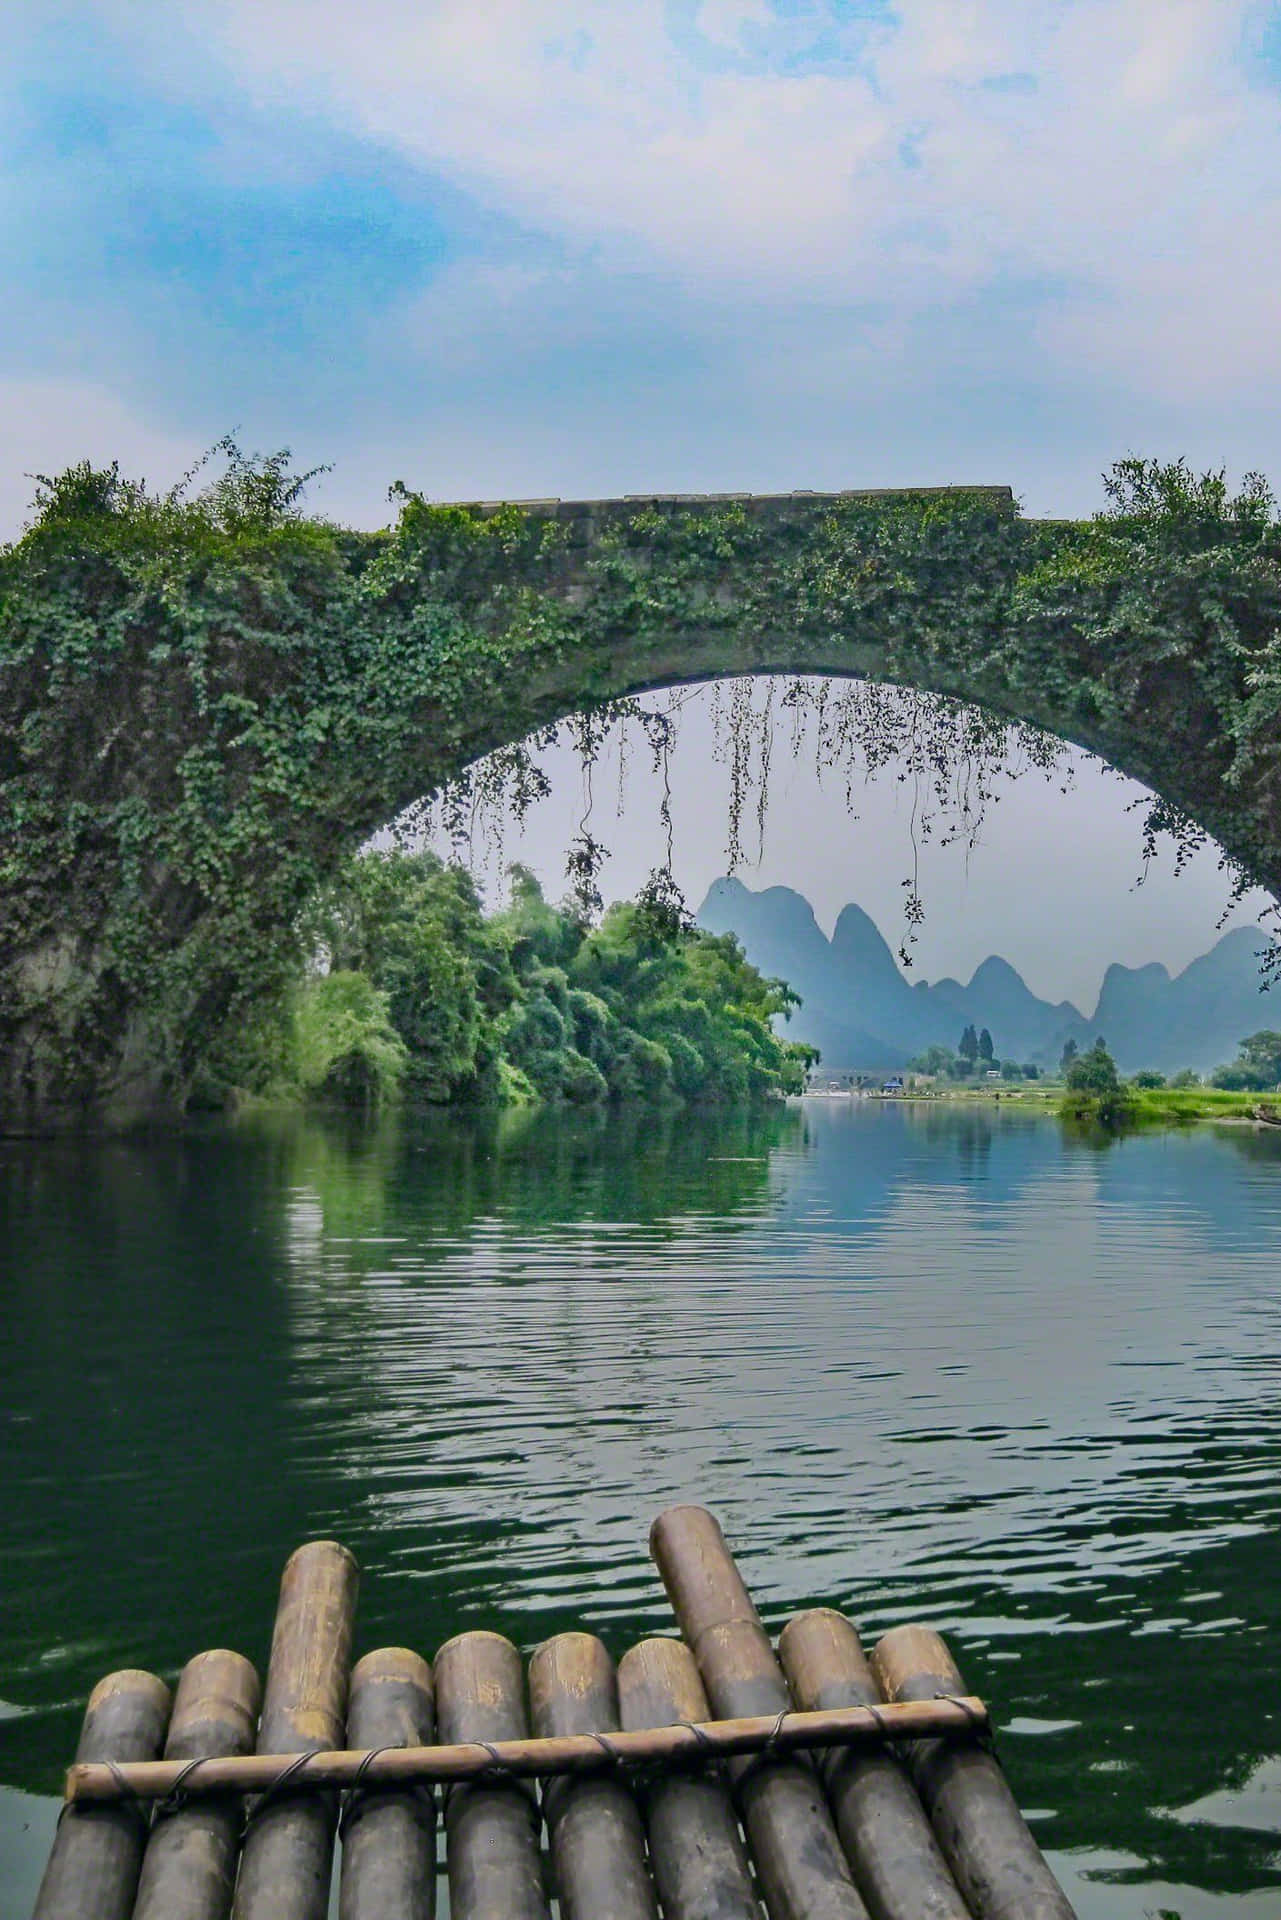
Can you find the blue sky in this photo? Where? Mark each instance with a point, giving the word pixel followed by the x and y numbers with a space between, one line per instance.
pixel 501 247
pixel 525 247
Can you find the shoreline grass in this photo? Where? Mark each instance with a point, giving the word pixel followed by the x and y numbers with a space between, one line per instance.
pixel 1181 1105
pixel 1134 1107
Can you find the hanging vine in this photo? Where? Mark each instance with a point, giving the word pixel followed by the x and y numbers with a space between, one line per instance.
pixel 951 759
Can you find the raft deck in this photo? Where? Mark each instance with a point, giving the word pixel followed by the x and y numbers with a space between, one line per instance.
pixel 708 1778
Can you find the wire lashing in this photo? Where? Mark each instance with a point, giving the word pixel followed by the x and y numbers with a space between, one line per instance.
pixel 787 1732
pixel 259 1804
pixel 359 1796
pixel 980 1726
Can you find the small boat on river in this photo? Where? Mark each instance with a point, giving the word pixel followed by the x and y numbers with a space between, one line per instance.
pixel 713 1777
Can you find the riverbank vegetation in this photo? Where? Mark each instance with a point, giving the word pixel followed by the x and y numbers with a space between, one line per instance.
pixel 1166 1105
pixel 413 991
pixel 1094 1089
pixel 975 1058
pixel 1089 1088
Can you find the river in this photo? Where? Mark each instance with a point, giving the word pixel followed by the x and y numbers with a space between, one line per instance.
pixel 941 1362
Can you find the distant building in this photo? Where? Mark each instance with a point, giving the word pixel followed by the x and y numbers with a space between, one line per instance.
pixel 894 1084
pixel 848 1080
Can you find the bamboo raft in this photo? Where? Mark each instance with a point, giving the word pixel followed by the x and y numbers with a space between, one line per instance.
pixel 712 1778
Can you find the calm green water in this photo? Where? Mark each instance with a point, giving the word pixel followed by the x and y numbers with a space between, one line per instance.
pixel 947 1364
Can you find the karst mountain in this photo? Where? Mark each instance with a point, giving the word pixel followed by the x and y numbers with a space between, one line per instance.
pixel 862 1010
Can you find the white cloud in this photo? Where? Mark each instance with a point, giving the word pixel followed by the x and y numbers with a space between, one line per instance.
pixel 726 23
pixel 1116 156
pixel 1083 259
pixel 1118 152
pixel 1197 317
pixel 49 424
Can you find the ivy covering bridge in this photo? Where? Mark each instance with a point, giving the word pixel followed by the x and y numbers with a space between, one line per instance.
pixel 208 701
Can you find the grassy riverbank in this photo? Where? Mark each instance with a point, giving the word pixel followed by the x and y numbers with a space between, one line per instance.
pixel 1139 1106
pixel 1135 1108
pixel 1163 1105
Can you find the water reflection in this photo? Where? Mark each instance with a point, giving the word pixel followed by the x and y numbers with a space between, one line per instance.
pixel 926 1361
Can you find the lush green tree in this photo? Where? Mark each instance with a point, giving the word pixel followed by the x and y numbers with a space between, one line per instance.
pixel 348 1052
pixel 986 1049
pixel 1257 1067
pixel 1031 1071
pixel 1094 1072
pixel 1262 1051
pixel 535 931
pixel 1148 1079
pixel 1185 1077
pixel 703 1012
pixel 415 926
pixel 968 1045
pixel 535 1002
pixel 1094 1085
pixel 935 1061
pixel 1066 1058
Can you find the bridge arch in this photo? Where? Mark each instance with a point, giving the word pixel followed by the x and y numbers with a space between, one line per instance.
pixel 918 590
pixel 202 715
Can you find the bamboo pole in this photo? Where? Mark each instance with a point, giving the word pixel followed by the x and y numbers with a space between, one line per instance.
pixel 597 1839
pixel 92 1871
pixel 495 1866
pixel 287 1862
pixel 888 1840
pixel 389 1833
pixel 798 1857
pixel 529 1759
pixel 189 1869
pixel 985 1839
pixel 696 1851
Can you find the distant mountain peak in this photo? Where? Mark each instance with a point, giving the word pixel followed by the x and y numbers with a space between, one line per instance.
pixel 853 920
pixel 1150 972
pixel 728 902
pixel 995 968
pixel 861 1009
pixel 857 937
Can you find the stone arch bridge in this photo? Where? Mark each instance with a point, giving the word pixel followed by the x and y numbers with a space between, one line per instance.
pixel 226 741
pixel 717 631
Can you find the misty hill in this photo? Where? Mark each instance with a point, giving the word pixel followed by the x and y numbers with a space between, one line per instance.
pixel 861 1009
